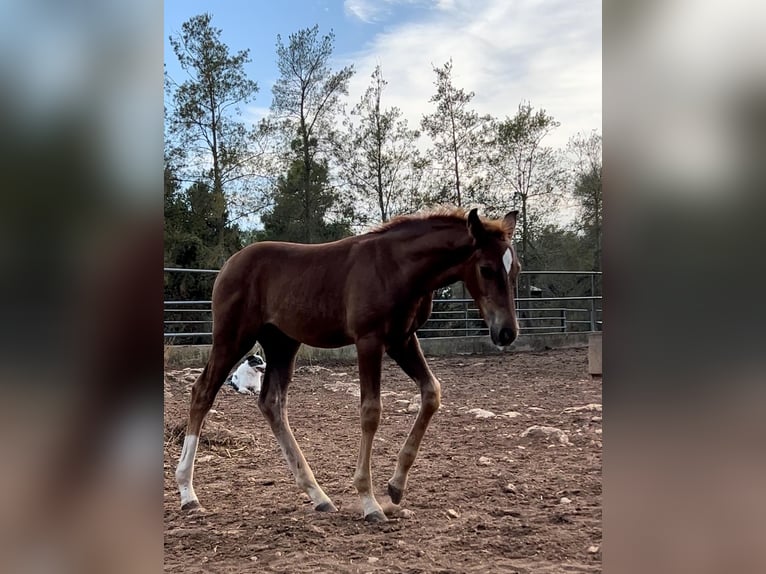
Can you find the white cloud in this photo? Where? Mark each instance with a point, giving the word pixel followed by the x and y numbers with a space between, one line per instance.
pixel 375 10
pixel 546 52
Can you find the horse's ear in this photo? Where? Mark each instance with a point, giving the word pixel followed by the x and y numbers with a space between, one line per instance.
pixel 510 220
pixel 475 226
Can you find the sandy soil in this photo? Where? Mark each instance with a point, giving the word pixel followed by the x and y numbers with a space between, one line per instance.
pixel 257 520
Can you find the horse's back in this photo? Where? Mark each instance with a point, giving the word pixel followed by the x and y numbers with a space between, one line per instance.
pixel 300 289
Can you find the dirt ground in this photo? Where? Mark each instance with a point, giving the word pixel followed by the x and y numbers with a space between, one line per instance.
pixel 533 507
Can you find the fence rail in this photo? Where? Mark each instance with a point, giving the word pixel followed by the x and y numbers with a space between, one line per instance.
pixel 450 317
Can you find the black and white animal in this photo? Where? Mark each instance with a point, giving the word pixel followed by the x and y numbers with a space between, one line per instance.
pixel 247 378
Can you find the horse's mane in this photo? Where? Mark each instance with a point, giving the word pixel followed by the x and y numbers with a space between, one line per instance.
pixel 455 214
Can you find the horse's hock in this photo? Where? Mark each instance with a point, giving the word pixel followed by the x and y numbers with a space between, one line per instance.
pixel 594 354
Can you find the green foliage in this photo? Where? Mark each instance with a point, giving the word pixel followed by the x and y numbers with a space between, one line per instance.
pixel 194 234
pixel 533 174
pixel 307 92
pixel 588 192
pixel 211 145
pixel 377 156
pixel 460 138
pixel 306 98
pixel 301 214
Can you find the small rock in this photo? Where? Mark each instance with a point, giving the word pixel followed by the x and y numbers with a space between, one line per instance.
pixel 452 513
pixel 595 419
pixel 565 500
pixel 372 559
pixel 482 413
pixel 205 458
pixel 593 549
pixel 592 407
pixel 485 461
pixel 510 488
pixel 537 431
pixel 414 405
pixel 511 414
pixel 536 409
pixel 254 558
pixel 402 402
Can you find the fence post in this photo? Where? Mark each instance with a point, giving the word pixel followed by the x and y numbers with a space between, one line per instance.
pixel 592 302
pixel 465 317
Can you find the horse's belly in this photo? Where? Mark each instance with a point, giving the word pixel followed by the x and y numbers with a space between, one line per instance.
pixel 329 340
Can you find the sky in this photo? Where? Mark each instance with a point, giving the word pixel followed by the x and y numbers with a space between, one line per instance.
pixel 545 52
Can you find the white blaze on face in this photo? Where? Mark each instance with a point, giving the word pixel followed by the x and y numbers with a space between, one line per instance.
pixel 507 260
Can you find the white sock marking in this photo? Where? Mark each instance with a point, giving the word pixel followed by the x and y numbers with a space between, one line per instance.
pixel 185 470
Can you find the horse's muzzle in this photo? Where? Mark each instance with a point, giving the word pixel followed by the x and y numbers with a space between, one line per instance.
pixel 503 336
pixel 506 337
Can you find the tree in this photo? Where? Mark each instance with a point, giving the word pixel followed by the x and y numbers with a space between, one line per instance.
pixel 459 137
pixel 533 173
pixel 586 152
pixel 306 96
pixel 291 219
pixel 197 233
pixel 377 155
pixel 192 241
pixel 214 148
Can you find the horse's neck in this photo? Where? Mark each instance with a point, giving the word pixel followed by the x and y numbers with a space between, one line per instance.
pixel 439 257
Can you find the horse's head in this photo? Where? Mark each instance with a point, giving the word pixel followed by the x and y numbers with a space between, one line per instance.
pixel 491 275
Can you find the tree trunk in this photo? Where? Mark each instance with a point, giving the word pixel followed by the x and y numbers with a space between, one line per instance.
pixel 217 183
pixel 306 183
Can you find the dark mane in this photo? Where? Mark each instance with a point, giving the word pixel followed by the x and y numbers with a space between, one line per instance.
pixel 448 214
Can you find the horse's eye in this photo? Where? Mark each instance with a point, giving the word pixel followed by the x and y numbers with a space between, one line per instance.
pixel 487 272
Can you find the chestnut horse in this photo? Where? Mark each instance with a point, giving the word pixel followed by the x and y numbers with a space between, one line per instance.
pixel 373 291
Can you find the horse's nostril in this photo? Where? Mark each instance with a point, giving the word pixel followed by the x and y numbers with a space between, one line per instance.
pixel 507 336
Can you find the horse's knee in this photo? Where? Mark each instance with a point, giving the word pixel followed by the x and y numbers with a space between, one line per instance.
pixel 270 406
pixel 370 415
pixel 431 397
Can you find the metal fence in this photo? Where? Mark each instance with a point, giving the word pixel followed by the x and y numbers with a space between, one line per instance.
pixel 544 313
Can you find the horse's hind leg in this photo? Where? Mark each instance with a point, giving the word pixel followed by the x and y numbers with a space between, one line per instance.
pixel 410 358
pixel 280 353
pixel 369 353
pixel 223 356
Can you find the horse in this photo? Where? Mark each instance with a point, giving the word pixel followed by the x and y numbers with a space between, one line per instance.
pixel 372 290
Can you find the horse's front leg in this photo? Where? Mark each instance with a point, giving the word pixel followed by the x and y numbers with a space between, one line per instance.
pixel 370 353
pixel 410 358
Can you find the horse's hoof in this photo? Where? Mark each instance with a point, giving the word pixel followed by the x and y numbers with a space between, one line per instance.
pixel 193 507
pixel 326 507
pixel 376 516
pixel 394 493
